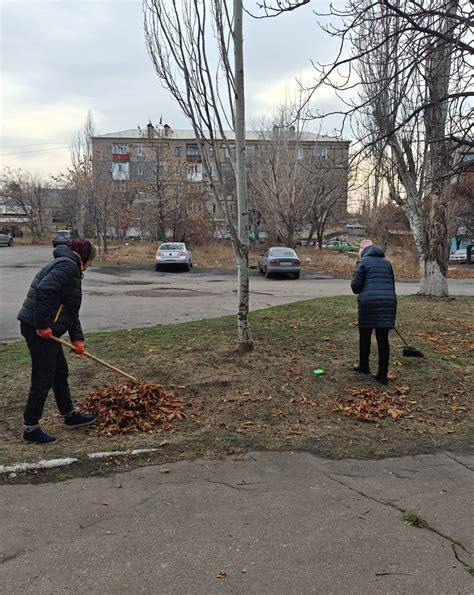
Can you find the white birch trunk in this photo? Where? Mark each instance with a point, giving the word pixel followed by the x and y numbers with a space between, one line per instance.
pixel 432 280
pixel 242 246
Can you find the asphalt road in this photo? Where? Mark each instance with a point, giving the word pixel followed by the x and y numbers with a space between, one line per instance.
pixel 118 298
pixel 267 523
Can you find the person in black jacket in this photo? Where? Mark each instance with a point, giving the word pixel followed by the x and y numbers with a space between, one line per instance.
pixel 51 308
pixel 374 283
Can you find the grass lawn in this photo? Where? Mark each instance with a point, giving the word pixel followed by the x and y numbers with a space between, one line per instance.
pixel 269 399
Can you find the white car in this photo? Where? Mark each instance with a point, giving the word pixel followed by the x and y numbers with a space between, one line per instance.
pixel 458 256
pixel 173 254
pixel 6 238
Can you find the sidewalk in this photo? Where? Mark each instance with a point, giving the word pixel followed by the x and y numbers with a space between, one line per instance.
pixel 266 523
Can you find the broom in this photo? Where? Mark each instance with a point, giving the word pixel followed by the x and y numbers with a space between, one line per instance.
pixel 408 350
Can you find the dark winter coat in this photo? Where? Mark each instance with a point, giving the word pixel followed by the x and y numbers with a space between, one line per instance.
pixel 55 296
pixel 373 280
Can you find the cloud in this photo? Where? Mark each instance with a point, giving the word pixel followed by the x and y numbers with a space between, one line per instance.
pixel 64 57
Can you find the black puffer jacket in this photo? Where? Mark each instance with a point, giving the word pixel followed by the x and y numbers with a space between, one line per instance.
pixel 55 296
pixel 374 282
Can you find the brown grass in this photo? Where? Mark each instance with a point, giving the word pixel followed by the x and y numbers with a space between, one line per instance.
pixel 221 255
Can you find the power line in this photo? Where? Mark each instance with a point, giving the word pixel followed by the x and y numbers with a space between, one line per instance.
pixel 36 151
pixel 31 145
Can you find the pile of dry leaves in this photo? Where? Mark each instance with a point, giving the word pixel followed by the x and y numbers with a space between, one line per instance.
pixel 368 404
pixel 134 406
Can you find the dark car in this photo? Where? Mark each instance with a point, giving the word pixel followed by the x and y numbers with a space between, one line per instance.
pixel 279 259
pixel 64 236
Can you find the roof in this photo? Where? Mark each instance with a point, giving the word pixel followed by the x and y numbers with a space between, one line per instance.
pixel 250 135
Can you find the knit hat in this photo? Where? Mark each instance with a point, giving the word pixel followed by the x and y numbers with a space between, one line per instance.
pixel 363 245
pixel 84 249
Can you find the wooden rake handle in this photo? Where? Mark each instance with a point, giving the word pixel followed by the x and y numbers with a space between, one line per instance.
pixel 96 359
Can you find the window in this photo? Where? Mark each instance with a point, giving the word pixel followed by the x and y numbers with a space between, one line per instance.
pixel 320 152
pixel 177 170
pixel 299 153
pixel 228 152
pixel 141 151
pixel 195 173
pixel 211 151
pixel 192 150
pixel 250 149
pixel 178 151
pixel 213 171
pixel 140 170
pixel 119 149
pixel 120 171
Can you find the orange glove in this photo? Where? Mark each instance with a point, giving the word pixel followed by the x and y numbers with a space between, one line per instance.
pixel 79 347
pixel 45 333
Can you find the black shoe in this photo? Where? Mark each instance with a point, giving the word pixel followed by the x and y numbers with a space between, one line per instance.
pixel 76 419
pixel 381 379
pixel 37 436
pixel 357 368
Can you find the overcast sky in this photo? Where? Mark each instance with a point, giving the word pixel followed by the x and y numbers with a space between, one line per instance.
pixel 61 57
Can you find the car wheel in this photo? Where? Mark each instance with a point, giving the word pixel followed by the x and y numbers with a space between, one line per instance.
pixel 10 243
pixel 267 274
pixel 296 275
pixel 157 267
pixel 187 266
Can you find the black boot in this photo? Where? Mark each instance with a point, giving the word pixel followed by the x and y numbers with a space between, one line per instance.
pixel 381 379
pixel 361 369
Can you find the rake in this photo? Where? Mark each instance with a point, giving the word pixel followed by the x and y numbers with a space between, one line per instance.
pixel 96 359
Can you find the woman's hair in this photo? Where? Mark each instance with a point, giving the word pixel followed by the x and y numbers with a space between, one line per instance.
pixel 93 253
pixel 84 249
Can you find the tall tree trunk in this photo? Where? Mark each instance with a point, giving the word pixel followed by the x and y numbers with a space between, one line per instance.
pixel 242 246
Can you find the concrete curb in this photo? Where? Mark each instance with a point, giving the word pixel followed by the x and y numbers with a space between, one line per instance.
pixel 54 463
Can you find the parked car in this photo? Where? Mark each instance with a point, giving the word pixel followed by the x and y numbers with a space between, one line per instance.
pixel 64 236
pixel 459 256
pixel 279 259
pixel 172 254
pixel 6 238
pixel 342 246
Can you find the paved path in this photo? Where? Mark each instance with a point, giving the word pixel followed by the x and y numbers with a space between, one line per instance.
pixel 269 523
pixel 118 298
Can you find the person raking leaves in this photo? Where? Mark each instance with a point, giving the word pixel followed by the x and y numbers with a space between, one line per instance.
pixel 51 308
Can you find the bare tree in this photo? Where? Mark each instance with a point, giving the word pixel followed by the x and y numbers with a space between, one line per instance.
pixel 328 184
pixel 295 183
pixel 80 172
pixel 211 95
pixel 28 193
pixel 278 178
pixel 410 63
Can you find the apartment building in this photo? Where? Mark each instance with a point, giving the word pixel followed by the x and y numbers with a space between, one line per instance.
pixel 141 160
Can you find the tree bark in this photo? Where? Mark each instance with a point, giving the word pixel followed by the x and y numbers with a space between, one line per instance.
pixel 242 246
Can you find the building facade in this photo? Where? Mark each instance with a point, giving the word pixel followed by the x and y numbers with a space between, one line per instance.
pixel 160 161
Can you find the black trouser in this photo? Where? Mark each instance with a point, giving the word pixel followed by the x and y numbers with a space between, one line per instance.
pixel 381 334
pixel 49 370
